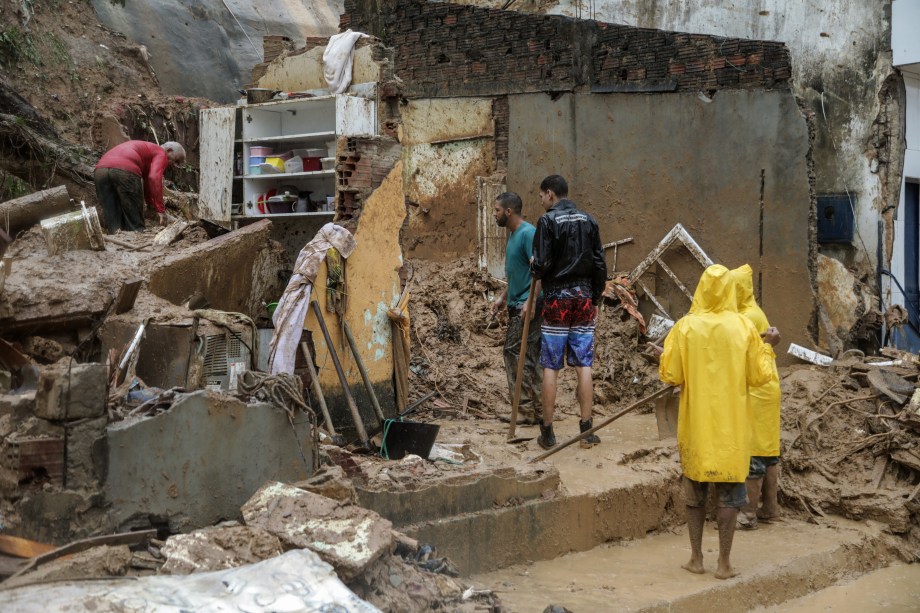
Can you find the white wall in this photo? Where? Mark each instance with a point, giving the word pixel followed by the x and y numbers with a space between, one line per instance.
pixel 905 32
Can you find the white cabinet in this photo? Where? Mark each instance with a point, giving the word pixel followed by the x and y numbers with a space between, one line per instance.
pixel 230 134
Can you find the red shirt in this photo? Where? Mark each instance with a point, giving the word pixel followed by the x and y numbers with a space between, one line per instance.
pixel 144 159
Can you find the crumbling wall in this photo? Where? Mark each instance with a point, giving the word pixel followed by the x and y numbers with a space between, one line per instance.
pixel 641 164
pixel 458 50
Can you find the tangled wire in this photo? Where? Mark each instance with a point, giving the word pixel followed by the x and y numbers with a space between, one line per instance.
pixel 285 391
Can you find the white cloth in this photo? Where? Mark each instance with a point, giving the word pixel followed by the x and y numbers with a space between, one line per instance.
pixel 338 58
pixel 294 303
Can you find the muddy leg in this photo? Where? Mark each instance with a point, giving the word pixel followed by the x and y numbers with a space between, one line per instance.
pixel 748 518
pixel 549 395
pixel 726 517
pixel 696 517
pixel 770 487
pixel 585 391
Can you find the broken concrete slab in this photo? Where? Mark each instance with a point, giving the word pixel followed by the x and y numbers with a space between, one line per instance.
pixel 22 213
pixel 210 452
pixel 234 272
pixel 331 482
pixel 348 537
pixel 95 563
pixel 217 548
pixel 68 390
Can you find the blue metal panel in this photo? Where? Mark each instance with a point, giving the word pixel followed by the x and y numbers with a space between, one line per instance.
pixel 835 218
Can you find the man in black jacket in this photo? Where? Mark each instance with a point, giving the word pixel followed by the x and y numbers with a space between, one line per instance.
pixel 568 259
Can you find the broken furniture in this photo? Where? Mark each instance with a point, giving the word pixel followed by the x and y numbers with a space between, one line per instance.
pixel 677 235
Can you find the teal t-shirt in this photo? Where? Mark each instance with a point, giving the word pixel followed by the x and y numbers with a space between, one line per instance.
pixel 517 263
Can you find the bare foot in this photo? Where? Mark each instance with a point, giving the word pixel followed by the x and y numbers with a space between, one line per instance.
pixel 694 566
pixel 726 573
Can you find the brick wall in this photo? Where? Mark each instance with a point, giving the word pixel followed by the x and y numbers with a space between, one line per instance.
pixel 455 50
pixel 362 165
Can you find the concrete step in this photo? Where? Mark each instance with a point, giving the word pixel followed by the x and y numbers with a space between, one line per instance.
pixel 895 588
pixel 777 563
pixel 624 488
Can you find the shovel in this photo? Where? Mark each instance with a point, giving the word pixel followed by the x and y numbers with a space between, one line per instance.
pixel 519 380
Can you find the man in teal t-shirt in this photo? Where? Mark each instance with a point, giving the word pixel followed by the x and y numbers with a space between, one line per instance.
pixel 507 210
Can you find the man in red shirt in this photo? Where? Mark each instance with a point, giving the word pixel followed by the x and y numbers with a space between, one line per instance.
pixel 130 174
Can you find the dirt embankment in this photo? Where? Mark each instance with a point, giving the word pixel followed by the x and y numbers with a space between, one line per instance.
pixel 455 354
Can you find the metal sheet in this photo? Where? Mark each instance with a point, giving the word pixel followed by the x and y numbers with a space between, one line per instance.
pixel 216 183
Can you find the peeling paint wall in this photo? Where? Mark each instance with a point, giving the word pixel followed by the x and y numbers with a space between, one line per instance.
pixel 447 143
pixel 305 71
pixel 373 287
pixel 841 58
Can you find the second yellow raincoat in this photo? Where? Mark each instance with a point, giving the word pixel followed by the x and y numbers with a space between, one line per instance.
pixel 715 353
pixel 763 400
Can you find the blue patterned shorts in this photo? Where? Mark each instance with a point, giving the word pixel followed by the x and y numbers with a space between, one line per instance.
pixel 568 328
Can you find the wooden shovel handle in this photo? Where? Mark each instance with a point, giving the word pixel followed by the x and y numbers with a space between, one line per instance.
pixel 519 379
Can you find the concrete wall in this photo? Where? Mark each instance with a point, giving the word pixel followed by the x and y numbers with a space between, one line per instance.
pixel 373 287
pixel 841 58
pixel 197 463
pixel 207 48
pixel 236 272
pixel 305 71
pixel 642 163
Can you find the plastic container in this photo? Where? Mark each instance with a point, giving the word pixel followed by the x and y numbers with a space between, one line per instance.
pixel 330 148
pixel 279 205
pixel 330 203
pixel 316 153
pixel 328 163
pixel 269 169
pixel 404 437
pixel 270 307
pixel 311 164
pixel 276 162
pixel 295 164
pixel 256 159
pixel 255 169
pixel 261 151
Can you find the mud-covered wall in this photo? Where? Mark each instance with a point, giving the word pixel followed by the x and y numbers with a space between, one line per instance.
pixel 841 57
pixel 373 287
pixel 207 48
pixel 642 163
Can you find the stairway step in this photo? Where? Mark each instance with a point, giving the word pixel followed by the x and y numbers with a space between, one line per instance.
pixel 779 562
pixel 895 588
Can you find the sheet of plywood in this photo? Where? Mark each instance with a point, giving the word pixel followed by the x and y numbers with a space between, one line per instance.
pixel 216 155
pixel 492 238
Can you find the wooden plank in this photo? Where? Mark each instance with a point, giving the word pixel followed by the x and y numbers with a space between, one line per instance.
pixel 217 127
pixel 677 282
pixel 123 538
pixel 127 295
pixel 492 238
pixel 22 548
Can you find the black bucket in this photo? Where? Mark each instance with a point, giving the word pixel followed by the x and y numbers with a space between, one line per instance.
pixel 404 437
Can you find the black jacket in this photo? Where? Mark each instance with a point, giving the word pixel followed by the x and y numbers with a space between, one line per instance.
pixel 567 250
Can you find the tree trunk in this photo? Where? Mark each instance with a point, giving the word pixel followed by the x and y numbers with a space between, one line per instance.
pixel 22 213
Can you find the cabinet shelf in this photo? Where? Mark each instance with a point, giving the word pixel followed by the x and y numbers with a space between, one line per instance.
pixel 280 215
pixel 318 174
pixel 291 137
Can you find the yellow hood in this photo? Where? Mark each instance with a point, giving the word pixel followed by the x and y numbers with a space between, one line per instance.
pixel 715 292
pixel 744 293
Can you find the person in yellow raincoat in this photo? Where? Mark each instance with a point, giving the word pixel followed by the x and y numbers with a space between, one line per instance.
pixel 763 403
pixel 714 354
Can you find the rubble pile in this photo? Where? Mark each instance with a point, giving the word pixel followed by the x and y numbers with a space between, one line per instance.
pixel 457 352
pixel 851 444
